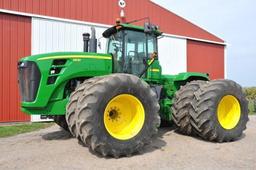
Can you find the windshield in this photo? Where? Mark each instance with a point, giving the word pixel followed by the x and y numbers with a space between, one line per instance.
pixel 131 50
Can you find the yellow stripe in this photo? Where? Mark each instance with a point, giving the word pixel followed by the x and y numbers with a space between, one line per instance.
pixel 75 56
pixel 151 61
pixel 155 70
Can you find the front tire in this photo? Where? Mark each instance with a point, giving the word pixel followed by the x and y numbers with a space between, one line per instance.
pixel 117 116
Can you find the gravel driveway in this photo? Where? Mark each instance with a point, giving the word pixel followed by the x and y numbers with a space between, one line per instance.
pixel 53 148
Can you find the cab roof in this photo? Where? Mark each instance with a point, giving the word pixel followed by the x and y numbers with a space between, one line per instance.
pixel 124 26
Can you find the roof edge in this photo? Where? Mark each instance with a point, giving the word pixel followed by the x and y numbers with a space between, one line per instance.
pixel 98 25
pixel 154 3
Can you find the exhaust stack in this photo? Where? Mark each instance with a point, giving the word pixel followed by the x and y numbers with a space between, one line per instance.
pixel 93 41
pixel 90 44
pixel 86 38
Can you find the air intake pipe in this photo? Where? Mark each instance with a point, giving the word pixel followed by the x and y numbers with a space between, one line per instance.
pixel 90 44
pixel 93 42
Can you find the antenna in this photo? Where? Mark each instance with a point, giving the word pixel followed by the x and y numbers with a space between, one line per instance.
pixel 137 20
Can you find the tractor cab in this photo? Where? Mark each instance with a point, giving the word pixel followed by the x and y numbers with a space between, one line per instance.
pixel 132 48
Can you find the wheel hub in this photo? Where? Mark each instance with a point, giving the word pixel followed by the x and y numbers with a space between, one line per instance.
pixel 229 112
pixel 124 116
pixel 114 114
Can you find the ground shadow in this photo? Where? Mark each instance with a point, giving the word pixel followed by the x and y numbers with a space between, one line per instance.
pixel 157 143
pixel 197 137
pixel 61 134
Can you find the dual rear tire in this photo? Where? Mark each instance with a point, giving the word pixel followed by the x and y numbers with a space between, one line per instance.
pixel 214 110
pixel 115 115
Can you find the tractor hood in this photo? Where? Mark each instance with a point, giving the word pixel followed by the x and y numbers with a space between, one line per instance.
pixel 43 77
pixel 65 55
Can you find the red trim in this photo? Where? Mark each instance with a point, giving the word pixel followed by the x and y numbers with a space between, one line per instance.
pixel 15 42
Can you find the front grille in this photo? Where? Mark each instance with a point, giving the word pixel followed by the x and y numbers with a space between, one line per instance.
pixel 29 79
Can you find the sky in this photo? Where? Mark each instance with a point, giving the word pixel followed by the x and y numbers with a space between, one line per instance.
pixel 232 20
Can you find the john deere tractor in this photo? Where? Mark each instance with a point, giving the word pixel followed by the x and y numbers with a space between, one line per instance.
pixel 113 103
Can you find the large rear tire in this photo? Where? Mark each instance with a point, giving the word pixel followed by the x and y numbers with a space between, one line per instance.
pixel 118 115
pixel 183 106
pixel 72 105
pixel 221 111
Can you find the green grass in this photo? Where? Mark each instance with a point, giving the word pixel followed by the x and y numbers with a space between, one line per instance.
pixel 11 130
pixel 251 107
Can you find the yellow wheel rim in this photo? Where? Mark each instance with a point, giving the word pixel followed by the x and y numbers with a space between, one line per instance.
pixel 229 112
pixel 124 117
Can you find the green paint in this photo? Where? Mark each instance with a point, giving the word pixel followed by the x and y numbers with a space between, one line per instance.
pixel 52 99
pixel 171 84
pixel 154 71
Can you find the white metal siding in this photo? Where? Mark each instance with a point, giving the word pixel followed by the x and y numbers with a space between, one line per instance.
pixel 53 36
pixel 173 55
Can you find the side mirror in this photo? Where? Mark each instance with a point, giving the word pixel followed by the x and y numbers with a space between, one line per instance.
pixel 149 28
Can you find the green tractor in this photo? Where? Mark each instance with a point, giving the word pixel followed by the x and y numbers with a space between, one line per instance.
pixel 113 103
